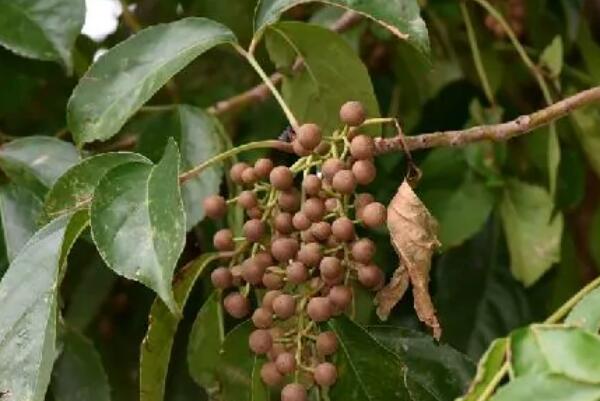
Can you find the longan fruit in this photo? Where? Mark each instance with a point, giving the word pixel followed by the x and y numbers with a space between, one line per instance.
pixel 321 230
pixel 286 363
pixel 327 343
pixel 275 350
pixel 236 305
pixel 340 296
pixel 281 178
pixel 310 254
pixel 353 113
pixel 312 185
pixel 331 204
pixel 289 201
pixel 272 281
pixel 260 341
pixel 296 273
pixel 267 301
pixel 319 309
pixel 252 272
pixel 214 206
pixel 342 229
pixel 362 147
pixel 307 236
pixel 263 258
pixel 221 278
pixel 262 318
pixel 374 215
pixel 223 240
pixel 344 182
pixel 284 306
pixel 325 374
pixel 330 167
pixel 363 250
pixel 254 230
pixel 364 171
pixel 263 167
pixel 300 221
pixel 235 173
pixel 270 375
pixel 330 267
pixel 363 199
pixel 299 150
pixel 370 276
pixel 284 249
pixel 283 223
pixel 254 213
pixel 314 209
pixel 247 199
pixel 293 392
pixel 309 136
pixel 249 176
pixel 236 273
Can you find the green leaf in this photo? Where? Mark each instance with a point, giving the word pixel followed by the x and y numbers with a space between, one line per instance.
pixel 29 312
pixel 552 57
pixel 199 137
pixel 204 343
pixel 138 222
pixel 238 369
pixel 586 314
pixel 586 122
pixel 19 210
pixel 44 30
pixel 36 162
pixel 547 387
pixel 487 367
pixel 79 374
pixel 532 229
pixel 75 188
pixel 366 369
pixel 590 51
pixel 401 17
pixel 316 92
pixel 158 343
pixel 442 370
pixel 124 78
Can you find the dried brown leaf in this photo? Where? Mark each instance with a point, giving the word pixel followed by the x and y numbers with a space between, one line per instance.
pixel 413 235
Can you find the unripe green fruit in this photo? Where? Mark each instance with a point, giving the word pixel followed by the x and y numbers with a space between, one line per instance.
pixel 319 309
pixel 344 182
pixel 325 374
pixel 262 318
pixel 343 229
pixel 221 278
pixel 236 305
pixel 293 392
pixel 247 199
pixel 281 178
pixel 270 375
pixel 284 306
pixel 309 136
pixel 285 363
pixel 254 230
pixel 374 215
pixel 362 147
pixel 214 206
pixel 364 171
pixel 260 341
pixel 327 343
pixel 223 240
pixel 353 113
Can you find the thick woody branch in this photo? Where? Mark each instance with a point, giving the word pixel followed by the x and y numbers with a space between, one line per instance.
pixel 494 132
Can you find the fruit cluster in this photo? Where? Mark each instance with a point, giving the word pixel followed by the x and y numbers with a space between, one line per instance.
pixel 516 13
pixel 300 250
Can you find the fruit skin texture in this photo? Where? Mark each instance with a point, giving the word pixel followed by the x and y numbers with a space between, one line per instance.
pixel 340 296
pixel 254 230
pixel 262 318
pixel 309 136
pixel 362 147
pixel 353 113
pixel 293 392
pixel 363 250
pixel 284 306
pixel 215 206
pixel 327 343
pixel 263 167
pixel 374 215
pixel 344 182
pixel 319 309
pixel 325 374
pixel 260 341
pixel 270 375
pixel 236 172
pixel 223 240
pixel 284 249
pixel 343 229
pixel 221 278
pixel 281 178
pixel 364 171
pixel 236 305
pixel 286 363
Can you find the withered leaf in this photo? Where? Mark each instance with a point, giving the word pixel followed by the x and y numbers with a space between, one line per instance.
pixel 413 235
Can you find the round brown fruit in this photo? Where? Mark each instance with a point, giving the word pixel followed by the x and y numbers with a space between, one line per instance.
pixel 325 374
pixel 281 178
pixel 267 301
pixel 330 167
pixel 293 392
pixel 340 296
pixel 330 267
pixel 263 258
pixel 252 272
pixel 321 230
pixel 364 171
pixel 284 249
pixel 327 343
pixel 353 113
pixel 343 229
pixel 262 167
pixel 299 150
pixel 286 363
pixel 249 176
pixel 236 305
pixel 254 230
pixel 310 254
pixel 362 200
pixel 254 213
pixel 331 204
pixel 307 236
pixel 260 341
pixel 236 273
pixel 247 199
pixel 272 281
pixel 344 182
pixel 300 221
pixel 221 278
pixel 319 309
pixel 370 276
pixel 283 223
pixel 363 250
pixel 214 206
pixel 309 136
pixel 374 215
pixel 289 201
pixel 236 172
pixel 270 375
pixel 312 185
pixel 314 209
pixel 284 306
pixel 296 273
pixel 223 240
pixel 262 318
pixel 362 147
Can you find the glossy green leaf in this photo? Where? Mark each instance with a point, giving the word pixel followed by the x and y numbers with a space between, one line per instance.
pixel 444 372
pixel 238 369
pixel 124 78
pixel 19 210
pixel 552 57
pixel 547 387
pixel 316 91
pixel 489 364
pixel 401 17
pixel 44 30
pixel 75 188
pixel 532 229
pixel 204 343
pixel 586 314
pixel 79 374
pixel 158 343
pixel 29 312
pixel 198 135
pixel 36 162
pixel 138 222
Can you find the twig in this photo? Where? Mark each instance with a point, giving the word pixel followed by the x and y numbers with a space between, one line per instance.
pixel 494 132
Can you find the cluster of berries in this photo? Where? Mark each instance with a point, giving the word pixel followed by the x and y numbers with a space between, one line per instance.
pixel 300 249
pixel 515 12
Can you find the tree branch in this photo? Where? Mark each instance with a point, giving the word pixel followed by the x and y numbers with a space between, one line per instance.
pixel 494 132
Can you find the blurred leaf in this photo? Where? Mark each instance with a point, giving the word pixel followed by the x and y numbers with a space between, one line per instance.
pixel 237 15
pixel 36 162
pixel 19 210
pixel 590 51
pixel 571 179
pixel 567 279
pixel 547 387
pixel 594 237
pixel 138 222
pixel 124 78
pixel 316 91
pixel 586 314
pixel 552 57
pixel 79 374
pixel 198 135
pixel 445 372
pixel 238 368
pixel 29 312
pixel 42 29
pixel 401 17
pixel 75 188
pixel 487 367
pixel 328 16
pixel 204 343
pixel 532 229
pixel 586 122
pixel 157 345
